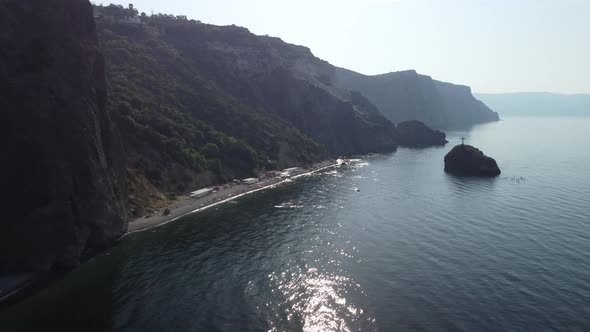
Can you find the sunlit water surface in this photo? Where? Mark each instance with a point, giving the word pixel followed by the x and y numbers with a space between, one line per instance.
pixel 389 242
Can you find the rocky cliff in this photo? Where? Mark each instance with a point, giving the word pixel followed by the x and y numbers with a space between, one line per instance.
pixel 413 133
pixel 407 95
pixel 203 104
pixel 63 175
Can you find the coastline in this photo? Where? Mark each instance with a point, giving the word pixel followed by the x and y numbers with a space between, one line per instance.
pixel 15 285
pixel 184 205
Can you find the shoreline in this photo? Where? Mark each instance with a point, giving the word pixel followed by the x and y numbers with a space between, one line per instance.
pixel 185 205
pixel 13 286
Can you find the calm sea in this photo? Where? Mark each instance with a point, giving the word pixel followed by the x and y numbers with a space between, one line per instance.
pixel 389 242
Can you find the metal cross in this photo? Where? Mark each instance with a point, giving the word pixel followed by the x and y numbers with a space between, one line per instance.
pixel 463 140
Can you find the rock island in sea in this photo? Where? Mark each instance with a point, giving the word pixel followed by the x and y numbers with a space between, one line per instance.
pixel 468 160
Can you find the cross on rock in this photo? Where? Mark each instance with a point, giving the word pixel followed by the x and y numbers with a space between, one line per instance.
pixel 463 140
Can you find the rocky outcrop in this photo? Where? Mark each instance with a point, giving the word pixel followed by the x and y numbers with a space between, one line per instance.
pixel 63 175
pixel 468 160
pixel 414 133
pixel 407 95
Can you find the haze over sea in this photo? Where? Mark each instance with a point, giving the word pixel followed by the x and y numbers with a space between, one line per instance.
pixel 413 249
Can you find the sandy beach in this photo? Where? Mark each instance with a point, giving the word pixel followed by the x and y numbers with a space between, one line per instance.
pixel 184 204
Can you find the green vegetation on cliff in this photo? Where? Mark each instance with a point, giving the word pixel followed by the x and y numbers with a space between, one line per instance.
pixel 199 104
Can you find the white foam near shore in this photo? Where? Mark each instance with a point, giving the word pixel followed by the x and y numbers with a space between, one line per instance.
pixel 14 283
pixel 141 225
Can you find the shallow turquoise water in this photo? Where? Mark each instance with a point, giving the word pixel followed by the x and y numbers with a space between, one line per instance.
pixel 414 249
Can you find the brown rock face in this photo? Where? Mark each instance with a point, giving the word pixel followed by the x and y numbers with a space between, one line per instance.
pixel 468 160
pixel 63 170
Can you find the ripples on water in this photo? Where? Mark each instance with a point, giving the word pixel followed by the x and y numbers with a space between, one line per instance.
pixel 388 242
pixel 311 291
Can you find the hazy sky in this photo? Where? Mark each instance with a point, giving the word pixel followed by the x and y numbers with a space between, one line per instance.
pixel 491 45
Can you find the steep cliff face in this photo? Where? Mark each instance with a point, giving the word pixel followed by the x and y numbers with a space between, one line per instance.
pixel 63 174
pixel 218 102
pixel 268 74
pixel 461 109
pixel 345 124
pixel 406 95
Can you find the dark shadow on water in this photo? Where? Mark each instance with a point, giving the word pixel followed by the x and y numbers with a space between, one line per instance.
pixel 470 184
pixel 422 148
pixel 79 301
pixel 155 276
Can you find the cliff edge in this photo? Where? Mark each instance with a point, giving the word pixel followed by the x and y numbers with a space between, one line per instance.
pixel 407 95
pixel 64 175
